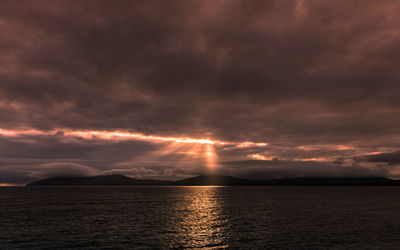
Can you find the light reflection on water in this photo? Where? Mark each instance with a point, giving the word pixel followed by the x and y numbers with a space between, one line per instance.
pixel 201 222
pixel 200 217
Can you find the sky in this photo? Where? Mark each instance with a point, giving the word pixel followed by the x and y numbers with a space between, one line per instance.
pixel 172 89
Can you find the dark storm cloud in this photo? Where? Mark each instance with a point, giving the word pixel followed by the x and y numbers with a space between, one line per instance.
pixel 392 158
pixel 237 69
pixel 289 73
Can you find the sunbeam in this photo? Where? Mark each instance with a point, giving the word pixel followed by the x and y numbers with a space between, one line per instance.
pixel 211 156
pixel 179 149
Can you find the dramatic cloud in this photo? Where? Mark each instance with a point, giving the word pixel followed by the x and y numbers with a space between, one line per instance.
pixel 392 158
pixel 309 83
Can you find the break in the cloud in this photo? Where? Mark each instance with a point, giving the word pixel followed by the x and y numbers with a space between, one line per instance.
pixel 316 81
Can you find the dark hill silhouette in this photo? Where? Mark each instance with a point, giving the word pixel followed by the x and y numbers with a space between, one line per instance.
pixel 365 181
pixel 211 180
pixel 215 180
pixel 102 180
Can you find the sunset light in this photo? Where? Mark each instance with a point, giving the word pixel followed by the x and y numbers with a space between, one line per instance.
pixel 203 148
pixel 122 135
pixel 199 124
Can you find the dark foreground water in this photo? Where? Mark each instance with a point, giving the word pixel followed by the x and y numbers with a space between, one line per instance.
pixel 200 217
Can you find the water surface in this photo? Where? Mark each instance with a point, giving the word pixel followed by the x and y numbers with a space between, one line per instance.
pixel 199 217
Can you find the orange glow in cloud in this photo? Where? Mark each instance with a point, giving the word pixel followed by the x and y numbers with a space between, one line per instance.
pixel 123 135
pixel 194 148
pixel 6 132
pixel 9 185
pixel 118 135
pixel 247 144
pixel 327 147
pixel 259 157
pixel 319 159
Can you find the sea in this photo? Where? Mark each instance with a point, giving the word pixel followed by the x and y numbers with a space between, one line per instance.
pixel 200 217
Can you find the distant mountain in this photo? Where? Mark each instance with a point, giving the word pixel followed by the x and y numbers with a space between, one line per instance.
pixel 211 180
pixel 102 180
pixel 365 181
pixel 221 180
pixel 215 180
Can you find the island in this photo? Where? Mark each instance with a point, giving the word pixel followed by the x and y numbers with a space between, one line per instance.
pixel 211 180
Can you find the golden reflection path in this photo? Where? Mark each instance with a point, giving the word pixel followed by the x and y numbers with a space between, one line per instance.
pixel 201 223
